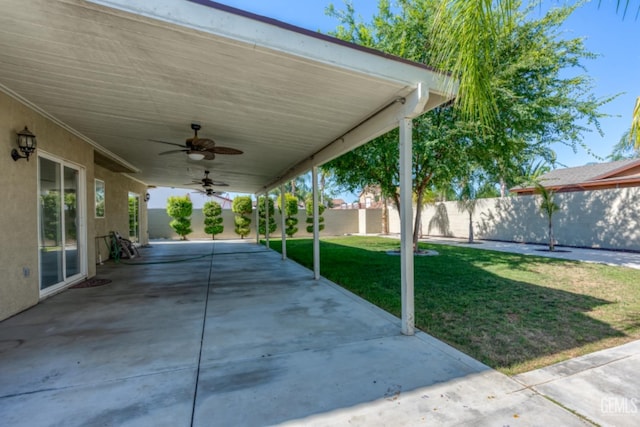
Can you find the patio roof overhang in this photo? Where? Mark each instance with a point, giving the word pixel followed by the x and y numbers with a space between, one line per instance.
pixel 121 72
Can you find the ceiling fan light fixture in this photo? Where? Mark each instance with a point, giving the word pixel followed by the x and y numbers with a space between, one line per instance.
pixel 194 155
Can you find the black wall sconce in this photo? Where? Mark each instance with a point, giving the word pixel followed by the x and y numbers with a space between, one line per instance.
pixel 26 143
pixel 147 197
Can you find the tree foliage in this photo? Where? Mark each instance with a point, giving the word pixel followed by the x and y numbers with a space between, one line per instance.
pixel 180 209
pixel 548 207
pixel 262 215
pixel 625 148
pixel 290 212
pixel 242 207
pixel 310 217
pixel 635 123
pixel 212 212
pixel 537 103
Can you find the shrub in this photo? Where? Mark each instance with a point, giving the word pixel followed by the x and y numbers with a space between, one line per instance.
pixel 309 208
pixel 290 212
pixel 241 206
pixel 180 209
pixel 262 215
pixel 212 218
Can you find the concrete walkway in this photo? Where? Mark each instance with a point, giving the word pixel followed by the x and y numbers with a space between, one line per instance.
pixel 227 334
pixel 599 256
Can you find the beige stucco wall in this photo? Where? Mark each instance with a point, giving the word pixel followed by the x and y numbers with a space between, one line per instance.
pixel 337 222
pixel 608 219
pixel 19 262
pixel 116 217
pixel 18 212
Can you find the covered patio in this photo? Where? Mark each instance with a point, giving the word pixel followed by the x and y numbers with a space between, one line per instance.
pixel 226 333
pixel 122 78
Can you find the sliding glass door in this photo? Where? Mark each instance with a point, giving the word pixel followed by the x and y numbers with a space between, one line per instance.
pixel 61 243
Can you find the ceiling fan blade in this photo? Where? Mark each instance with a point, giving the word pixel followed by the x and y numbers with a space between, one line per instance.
pixel 203 143
pixel 225 150
pixel 219 184
pixel 166 142
pixel 172 152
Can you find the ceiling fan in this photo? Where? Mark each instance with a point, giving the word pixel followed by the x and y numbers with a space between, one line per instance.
pixel 207 182
pixel 209 192
pixel 198 148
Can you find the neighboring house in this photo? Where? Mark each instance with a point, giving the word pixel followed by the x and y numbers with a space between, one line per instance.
pixel 371 198
pixel 224 202
pixel 339 204
pixel 599 176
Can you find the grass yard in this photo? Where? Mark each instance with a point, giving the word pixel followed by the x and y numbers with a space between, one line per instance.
pixel 515 313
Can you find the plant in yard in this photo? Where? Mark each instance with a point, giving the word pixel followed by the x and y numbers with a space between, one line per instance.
pixel 467 202
pixel 548 207
pixel 212 218
pixel 262 215
pixel 241 206
pixel 180 209
pixel 473 186
pixel 290 211
pixel 309 209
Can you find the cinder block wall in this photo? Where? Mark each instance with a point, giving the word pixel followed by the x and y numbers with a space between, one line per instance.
pixel 608 219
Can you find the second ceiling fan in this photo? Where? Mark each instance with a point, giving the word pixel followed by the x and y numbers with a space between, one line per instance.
pixel 198 148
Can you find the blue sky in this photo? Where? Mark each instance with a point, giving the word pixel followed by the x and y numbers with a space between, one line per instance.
pixel 606 33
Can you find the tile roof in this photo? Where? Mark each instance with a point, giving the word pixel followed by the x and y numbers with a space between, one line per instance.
pixel 581 174
pixel 585 173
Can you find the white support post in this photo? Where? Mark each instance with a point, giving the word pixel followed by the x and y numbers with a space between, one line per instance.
pixel 257 221
pixel 316 224
pixel 406 227
pixel 283 207
pixel 266 220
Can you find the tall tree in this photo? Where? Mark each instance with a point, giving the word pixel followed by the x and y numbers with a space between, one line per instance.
pixel 525 72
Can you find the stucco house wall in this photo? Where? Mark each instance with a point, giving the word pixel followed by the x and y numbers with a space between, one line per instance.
pixel 116 217
pixel 19 262
pixel 607 219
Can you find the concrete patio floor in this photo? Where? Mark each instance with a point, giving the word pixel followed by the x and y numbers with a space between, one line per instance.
pixel 233 336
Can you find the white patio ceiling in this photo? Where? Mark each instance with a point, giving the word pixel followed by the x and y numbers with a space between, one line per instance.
pixel 121 72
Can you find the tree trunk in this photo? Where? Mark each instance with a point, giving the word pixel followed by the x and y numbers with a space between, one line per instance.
pixel 385 216
pixel 551 243
pixel 418 220
pixel 470 227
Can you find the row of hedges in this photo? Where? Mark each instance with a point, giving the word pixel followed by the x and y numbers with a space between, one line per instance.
pixel 180 209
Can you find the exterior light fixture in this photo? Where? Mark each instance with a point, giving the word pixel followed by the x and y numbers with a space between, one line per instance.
pixel 194 155
pixel 26 143
pixel 147 197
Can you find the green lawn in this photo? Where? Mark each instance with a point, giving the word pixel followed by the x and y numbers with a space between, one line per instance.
pixel 513 312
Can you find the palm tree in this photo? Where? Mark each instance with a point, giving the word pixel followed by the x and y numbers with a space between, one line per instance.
pixel 548 206
pixel 464 35
pixel 625 148
pixel 635 126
